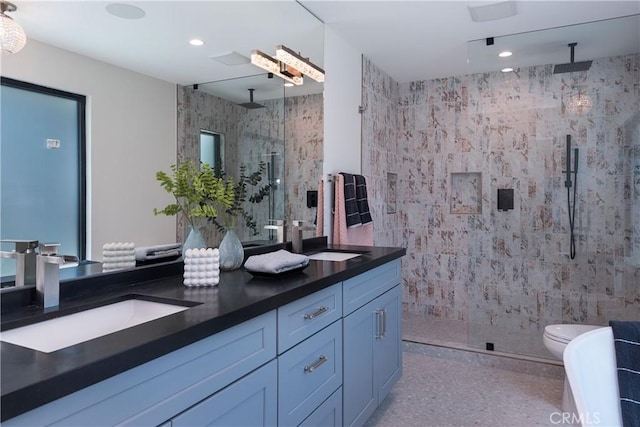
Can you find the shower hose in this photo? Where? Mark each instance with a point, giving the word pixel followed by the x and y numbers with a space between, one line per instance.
pixel 572 211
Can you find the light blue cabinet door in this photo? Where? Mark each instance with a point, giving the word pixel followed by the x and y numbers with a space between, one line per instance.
pixel 360 399
pixel 372 355
pixel 388 348
pixel 252 401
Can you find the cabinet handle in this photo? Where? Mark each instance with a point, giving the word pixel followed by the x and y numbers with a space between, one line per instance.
pixel 384 322
pixel 316 313
pixel 379 324
pixel 316 364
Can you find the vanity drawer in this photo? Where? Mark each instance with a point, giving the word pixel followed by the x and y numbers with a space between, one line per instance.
pixel 328 414
pixel 250 401
pixel 367 286
pixel 306 316
pixel 308 374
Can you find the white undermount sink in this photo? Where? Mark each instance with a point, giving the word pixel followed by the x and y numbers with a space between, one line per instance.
pixel 333 256
pixel 51 335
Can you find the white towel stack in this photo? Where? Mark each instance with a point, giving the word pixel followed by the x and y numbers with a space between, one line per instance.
pixel 116 256
pixel 201 267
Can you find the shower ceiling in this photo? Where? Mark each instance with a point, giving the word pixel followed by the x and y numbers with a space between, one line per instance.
pixel 550 46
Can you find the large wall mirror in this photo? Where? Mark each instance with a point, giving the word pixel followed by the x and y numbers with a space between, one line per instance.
pixel 256 124
pixel 286 134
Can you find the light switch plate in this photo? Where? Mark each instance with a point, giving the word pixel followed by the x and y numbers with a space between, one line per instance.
pixel 53 143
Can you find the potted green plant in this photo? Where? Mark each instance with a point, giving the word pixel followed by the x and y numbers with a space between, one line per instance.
pixel 198 193
pixel 231 250
pixel 229 217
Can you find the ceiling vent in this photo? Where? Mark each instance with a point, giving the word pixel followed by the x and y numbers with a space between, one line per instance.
pixel 493 11
pixel 231 58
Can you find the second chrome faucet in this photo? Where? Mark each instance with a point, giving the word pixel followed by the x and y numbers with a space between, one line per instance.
pixel 278 226
pixel 296 239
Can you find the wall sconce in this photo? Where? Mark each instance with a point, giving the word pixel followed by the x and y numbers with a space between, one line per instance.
pixel 276 67
pixel 291 58
pixel 12 36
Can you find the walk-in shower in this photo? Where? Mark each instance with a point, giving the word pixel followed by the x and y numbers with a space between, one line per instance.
pixel 571 201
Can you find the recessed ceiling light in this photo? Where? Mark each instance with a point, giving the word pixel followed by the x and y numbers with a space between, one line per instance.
pixel 287 84
pixel 196 42
pixel 507 70
pixel 505 54
pixel 125 11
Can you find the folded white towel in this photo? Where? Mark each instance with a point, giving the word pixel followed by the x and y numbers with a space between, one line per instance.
pixel 275 262
pixel 146 253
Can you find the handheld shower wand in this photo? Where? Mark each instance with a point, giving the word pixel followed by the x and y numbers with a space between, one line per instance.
pixel 571 206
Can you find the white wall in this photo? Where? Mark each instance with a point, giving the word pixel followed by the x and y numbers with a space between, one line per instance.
pixel 131 134
pixel 342 124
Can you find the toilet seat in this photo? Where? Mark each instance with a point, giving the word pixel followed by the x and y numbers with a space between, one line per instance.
pixel 563 333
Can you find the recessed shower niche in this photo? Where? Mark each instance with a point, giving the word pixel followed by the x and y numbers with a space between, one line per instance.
pixel 465 193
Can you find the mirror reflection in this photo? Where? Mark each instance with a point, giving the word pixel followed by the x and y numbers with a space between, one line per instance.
pixel 254 124
pixel 263 128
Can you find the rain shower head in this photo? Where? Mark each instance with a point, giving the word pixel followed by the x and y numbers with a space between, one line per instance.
pixel 251 105
pixel 572 66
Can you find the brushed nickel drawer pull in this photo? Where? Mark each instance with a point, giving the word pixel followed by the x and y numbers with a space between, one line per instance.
pixel 316 313
pixel 316 364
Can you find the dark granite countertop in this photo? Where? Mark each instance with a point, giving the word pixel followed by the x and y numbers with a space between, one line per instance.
pixel 31 378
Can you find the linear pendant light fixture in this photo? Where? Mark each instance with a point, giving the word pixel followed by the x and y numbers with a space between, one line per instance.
pixel 274 66
pixel 12 36
pixel 288 65
pixel 305 66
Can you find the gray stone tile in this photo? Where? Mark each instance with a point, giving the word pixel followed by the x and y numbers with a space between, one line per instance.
pixel 436 391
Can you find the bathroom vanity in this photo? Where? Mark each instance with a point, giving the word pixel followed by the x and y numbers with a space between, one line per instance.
pixel 320 347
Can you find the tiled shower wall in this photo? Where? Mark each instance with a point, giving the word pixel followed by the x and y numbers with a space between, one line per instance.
pixel 293 131
pixel 304 133
pixel 381 155
pixel 507 273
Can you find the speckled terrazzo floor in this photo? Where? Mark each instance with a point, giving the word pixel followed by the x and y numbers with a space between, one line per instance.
pixel 446 385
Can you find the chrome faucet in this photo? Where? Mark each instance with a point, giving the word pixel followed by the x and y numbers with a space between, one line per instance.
pixel 296 240
pixel 48 274
pixel 25 256
pixel 278 225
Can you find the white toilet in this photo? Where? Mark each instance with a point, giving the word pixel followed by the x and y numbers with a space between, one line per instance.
pixel 556 338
